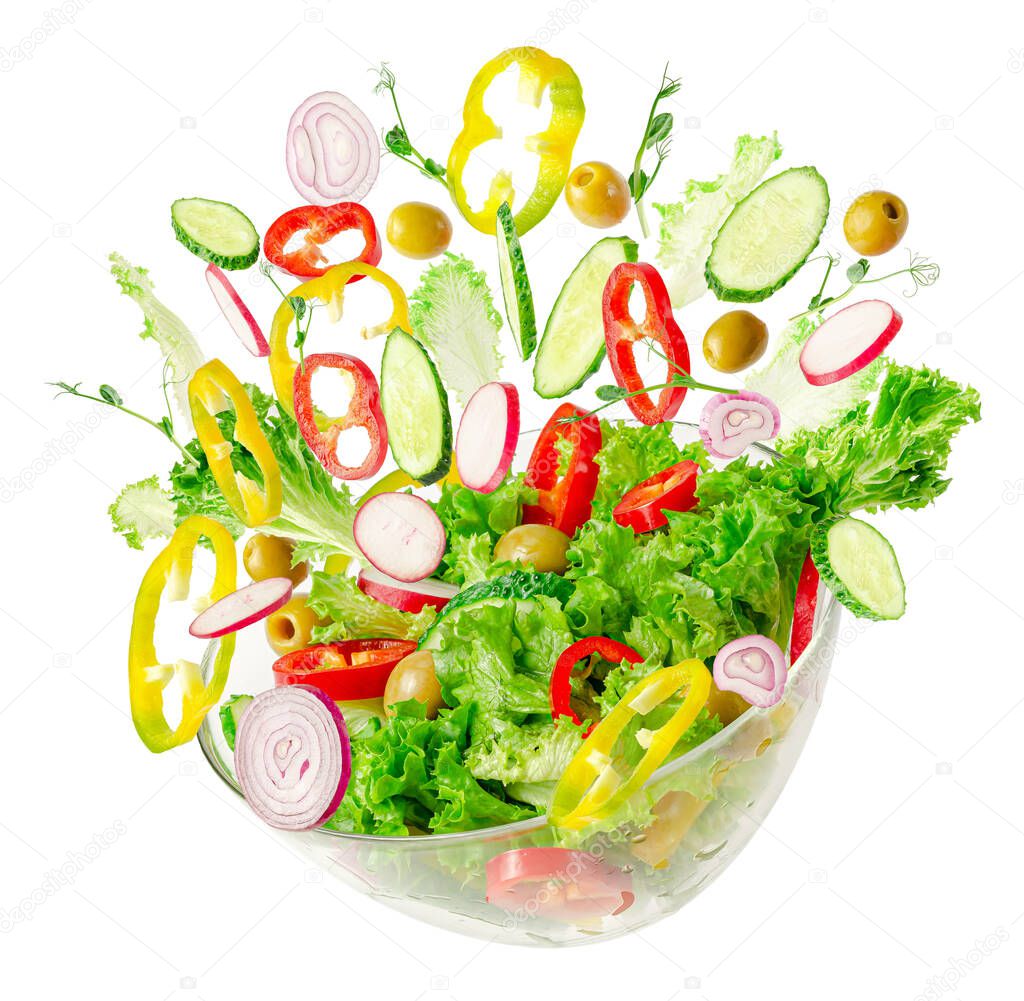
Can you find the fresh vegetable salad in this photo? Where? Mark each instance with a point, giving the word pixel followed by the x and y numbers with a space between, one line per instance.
pixel 483 635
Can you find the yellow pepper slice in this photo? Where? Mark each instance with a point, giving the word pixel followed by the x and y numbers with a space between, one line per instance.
pixel 211 389
pixel 591 787
pixel 171 571
pixel 537 72
pixel 330 290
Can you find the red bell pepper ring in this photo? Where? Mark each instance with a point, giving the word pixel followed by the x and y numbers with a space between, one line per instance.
pixel 564 500
pixel 560 688
pixel 320 223
pixel 621 333
pixel 804 610
pixel 345 671
pixel 674 489
pixel 364 410
pixel 561 884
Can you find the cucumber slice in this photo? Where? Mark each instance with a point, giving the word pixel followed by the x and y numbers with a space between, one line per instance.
pixel 573 346
pixel 415 407
pixel 231 716
pixel 515 284
pixel 859 567
pixel 768 236
pixel 216 231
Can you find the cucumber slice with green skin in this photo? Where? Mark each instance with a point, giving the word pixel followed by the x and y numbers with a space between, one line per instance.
pixel 520 585
pixel 573 345
pixel 515 284
pixel 216 231
pixel 415 407
pixel 231 716
pixel 860 568
pixel 768 236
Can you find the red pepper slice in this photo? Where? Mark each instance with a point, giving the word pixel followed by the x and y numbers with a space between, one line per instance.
pixel 561 677
pixel 564 500
pixel 364 410
pixel 561 884
pixel 804 609
pixel 621 332
pixel 321 223
pixel 345 671
pixel 674 489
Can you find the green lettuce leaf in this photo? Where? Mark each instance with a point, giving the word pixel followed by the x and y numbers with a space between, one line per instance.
pixel 143 511
pixel 355 615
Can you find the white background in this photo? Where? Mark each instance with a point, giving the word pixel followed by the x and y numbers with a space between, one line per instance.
pixel 896 847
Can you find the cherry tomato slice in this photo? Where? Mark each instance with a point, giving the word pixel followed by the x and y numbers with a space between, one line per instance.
pixel 345 671
pixel 674 489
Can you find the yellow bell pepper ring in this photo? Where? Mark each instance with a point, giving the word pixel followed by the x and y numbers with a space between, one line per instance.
pixel 330 290
pixel 538 72
pixel 592 787
pixel 211 390
pixel 171 572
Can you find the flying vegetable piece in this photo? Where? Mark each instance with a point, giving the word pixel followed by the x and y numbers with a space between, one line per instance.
pixel 147 676
pixel 591 787
pixel 329 289
pixel 753 667
pixel 319 224
pixel 673 489
pixel 731 422
pixel 212 388
pixel 538 72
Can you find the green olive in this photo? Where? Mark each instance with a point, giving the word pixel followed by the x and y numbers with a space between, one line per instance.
pixel 419 230
pixel 413 677
pixel 598 194
pixel 735 341
pixel 541 545
pixel 271 556
pixel 291 627
pixel 875 222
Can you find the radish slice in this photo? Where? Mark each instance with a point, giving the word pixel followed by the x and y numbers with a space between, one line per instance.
pixel 405 597
pixel 400 535
pixel 293 759
pixel 243 323
pixel 242 608
pixel 754 667
pixel 332 151
pixel 804 610
pixel 849 340
pixel 729 423
pixel 488 435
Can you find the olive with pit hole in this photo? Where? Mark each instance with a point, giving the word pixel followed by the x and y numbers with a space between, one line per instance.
pixel 419 230
pixel 271 556
pixel 875 223
pixel 598 195
pixel 735 341
pixel 291 627
pixel 540 545
pixel 414 677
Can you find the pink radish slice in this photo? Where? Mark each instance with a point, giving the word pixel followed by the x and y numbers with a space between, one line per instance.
pixel 488 436
pixel 848 341
pixel 242 608
pixel 754 667
pixel 332 151
pixel 243 323
pixel 731 422
pixel 400 535
pixel 293 759
pixel 405 597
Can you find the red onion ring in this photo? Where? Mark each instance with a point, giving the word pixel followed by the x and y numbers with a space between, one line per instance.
pixel 293 759
pixel 731 422
pixel 332 151
pixel 754 667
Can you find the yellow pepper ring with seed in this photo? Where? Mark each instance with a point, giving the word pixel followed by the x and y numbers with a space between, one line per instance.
pixel 537 72
pixel 330 290
pixel 147 678
pixel 591 787
pixel 210 391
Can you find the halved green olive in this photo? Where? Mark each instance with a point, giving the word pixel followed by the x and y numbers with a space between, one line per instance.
pixel 735 341
pixel 541 545
pixel 598 195
pixel 291 626
pixel 271 556
pixel 419 230
pixel 414 677
pixel 875 222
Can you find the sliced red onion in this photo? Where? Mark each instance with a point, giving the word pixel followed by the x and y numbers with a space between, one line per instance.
pixel 293 759
pixel 730 423
pixel 332 151
pixel 754 667
pixel 242 608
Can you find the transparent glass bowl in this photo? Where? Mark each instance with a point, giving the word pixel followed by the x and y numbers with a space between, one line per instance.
pixel 647 871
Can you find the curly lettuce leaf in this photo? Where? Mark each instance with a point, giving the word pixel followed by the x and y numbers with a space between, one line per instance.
pixel 355 615
pixel 143 511
pixel 453 315
pixel 688 227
